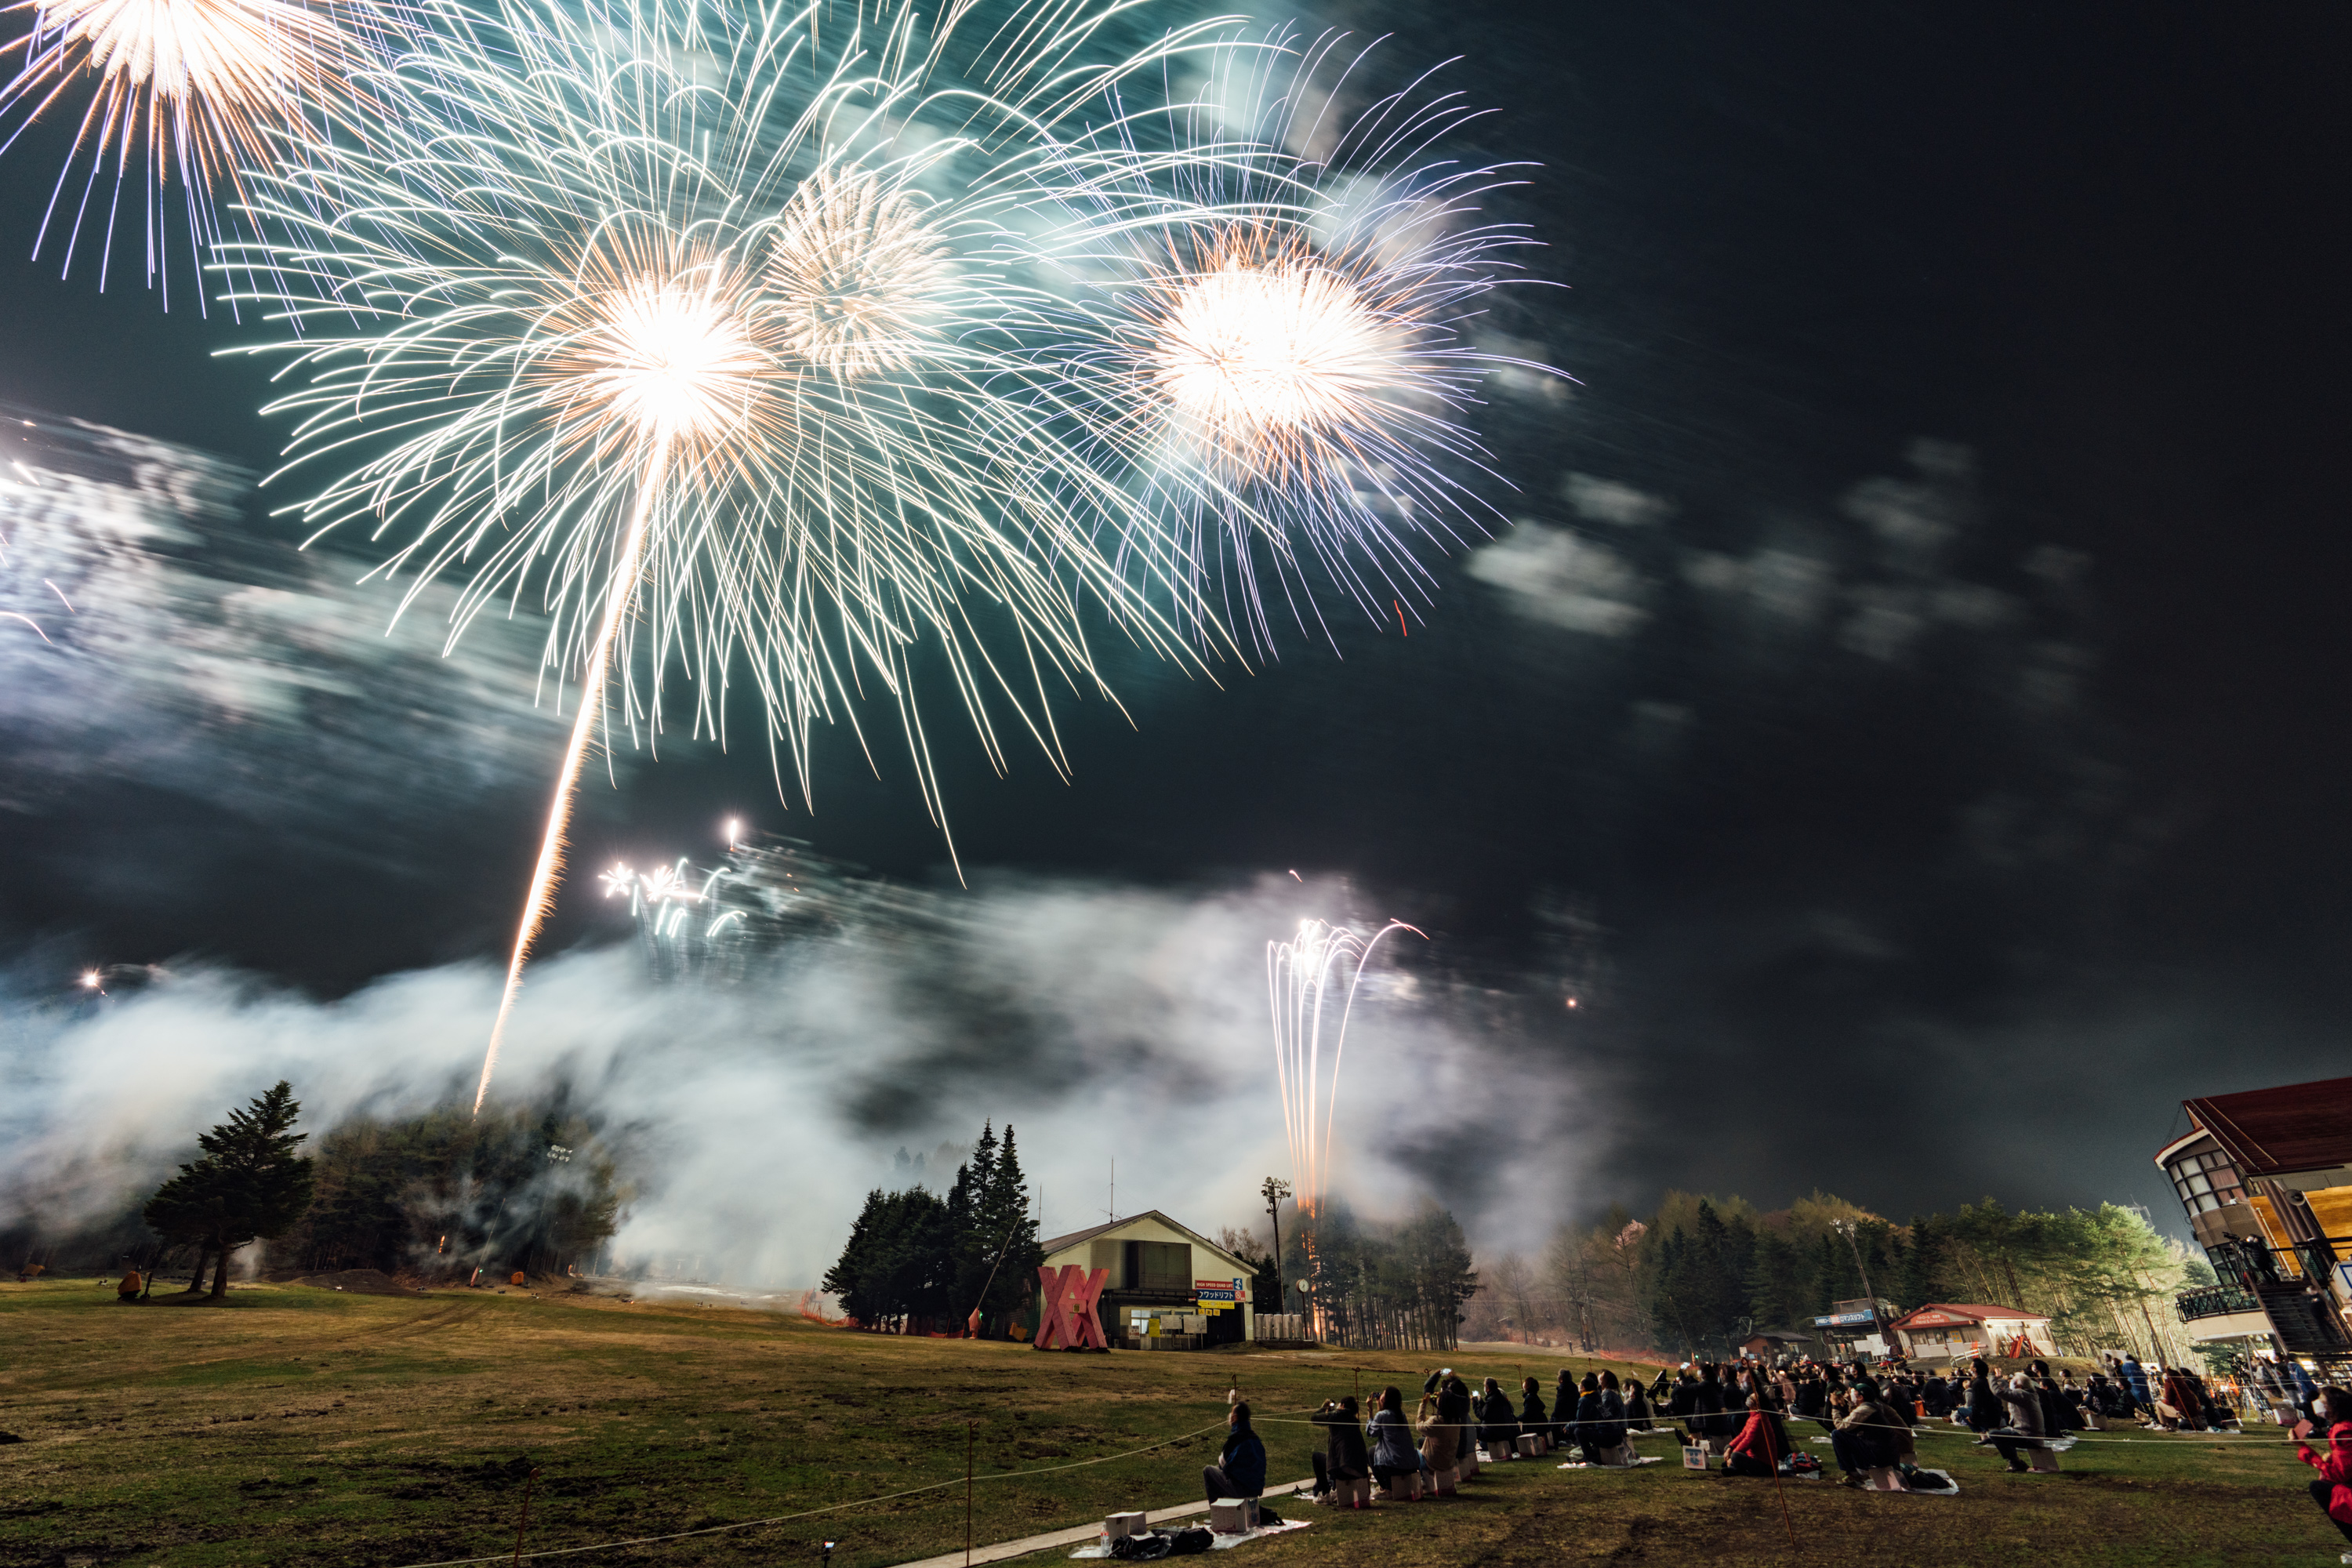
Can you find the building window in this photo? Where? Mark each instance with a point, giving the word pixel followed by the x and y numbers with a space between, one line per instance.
pixel 2206 1182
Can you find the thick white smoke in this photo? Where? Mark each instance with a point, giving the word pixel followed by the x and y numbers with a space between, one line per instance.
pixel 1104 1022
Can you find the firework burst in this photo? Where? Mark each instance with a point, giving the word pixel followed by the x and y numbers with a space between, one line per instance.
pixel 194 90
pixel 698 328
pixel 1275 337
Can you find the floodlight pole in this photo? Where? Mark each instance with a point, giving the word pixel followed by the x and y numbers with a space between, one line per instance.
pixel 1273 1190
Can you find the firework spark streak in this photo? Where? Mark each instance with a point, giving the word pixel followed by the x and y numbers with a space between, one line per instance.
pixel 199 90
pixel 1272 332
pixel 1300 975
pixel 700 321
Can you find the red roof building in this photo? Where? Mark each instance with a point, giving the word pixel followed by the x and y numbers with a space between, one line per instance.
pixel 1954 1330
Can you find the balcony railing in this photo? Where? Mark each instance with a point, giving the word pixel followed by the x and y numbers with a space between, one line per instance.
pixel 2214 1300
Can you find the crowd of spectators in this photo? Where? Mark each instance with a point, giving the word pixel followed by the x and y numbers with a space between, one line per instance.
pixel 1740 1412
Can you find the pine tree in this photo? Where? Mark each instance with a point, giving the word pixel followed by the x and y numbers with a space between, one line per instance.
pixel 249 1185
pixel 1008 1230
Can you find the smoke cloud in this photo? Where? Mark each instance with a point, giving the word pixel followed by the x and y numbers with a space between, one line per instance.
pixel 1105 1023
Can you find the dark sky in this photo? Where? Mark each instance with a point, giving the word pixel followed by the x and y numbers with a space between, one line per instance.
pixel 1923 762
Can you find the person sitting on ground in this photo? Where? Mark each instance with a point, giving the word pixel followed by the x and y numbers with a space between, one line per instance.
pixel 1682 1402
pixel 1707 1407
pixel 2176 1402
pixel 1863 1438
pixel 128 1290
pixel 2134 1378
pixel 1533 1416
pixel 1498 1424
pixel 1393 1452
pixel 2333 1490
pixel 1757 1450
pixel 1240 1469
pixel 1813 1399
pixel 1344 1458
pixel 2057 1415
pixel 2025 1429
pixel 1458 1410
pixel 1612 1413
pixel 1589 1421
pixel 1984 1411
pixel 1439 1439
pixel 1639 1418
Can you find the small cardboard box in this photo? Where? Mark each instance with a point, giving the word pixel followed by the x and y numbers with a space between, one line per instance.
pixel 1693 1456
pixel 1235 1516
pixel 1529 1444
pixel 1124 1524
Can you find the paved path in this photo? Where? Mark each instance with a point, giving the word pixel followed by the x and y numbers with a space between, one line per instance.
pixel 1000 1549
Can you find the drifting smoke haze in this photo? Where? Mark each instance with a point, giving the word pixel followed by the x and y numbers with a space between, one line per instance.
pixel 1103 1022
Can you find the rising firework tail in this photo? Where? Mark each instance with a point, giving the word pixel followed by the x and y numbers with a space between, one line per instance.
pixel 1300 976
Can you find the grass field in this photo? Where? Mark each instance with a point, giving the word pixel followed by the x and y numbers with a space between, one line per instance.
pixel 299 1426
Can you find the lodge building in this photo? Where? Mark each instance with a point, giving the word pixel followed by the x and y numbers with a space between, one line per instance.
pixel 1166 1286
pixel 2265 1179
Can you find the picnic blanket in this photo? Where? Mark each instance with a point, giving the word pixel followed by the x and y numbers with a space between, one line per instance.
pixel 1100 1548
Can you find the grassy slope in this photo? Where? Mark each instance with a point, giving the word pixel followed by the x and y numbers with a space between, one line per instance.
pixel 296 1424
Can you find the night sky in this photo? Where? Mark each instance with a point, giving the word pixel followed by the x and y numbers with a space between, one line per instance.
pixel 1905 714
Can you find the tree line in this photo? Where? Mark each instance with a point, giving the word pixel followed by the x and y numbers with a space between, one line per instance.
pixel 1370 1285
pixel 916 1261
pixel 437 1194
pixel 1703 1273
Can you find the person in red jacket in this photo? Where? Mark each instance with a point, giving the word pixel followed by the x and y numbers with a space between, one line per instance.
pixel 1756 1451
pixel 2333 1490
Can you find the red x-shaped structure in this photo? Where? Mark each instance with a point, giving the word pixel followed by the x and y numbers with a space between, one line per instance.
pixel 1071 1321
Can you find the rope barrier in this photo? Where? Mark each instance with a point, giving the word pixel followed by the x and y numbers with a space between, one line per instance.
pixel 1655 1431
pixel 830 1507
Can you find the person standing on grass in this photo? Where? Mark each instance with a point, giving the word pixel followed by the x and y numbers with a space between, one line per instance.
pixel 1240 1469
pixel 1393 1452
pixel 2333 1490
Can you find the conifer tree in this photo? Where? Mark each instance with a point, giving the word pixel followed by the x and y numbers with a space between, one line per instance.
pixel 249 1185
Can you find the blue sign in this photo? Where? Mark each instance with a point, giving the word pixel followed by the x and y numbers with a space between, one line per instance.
pixel 1842 1319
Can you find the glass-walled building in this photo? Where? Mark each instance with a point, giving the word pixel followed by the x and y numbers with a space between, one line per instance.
pixel 2265 1180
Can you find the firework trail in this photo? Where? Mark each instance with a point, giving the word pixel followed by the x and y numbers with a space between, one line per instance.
pixel 1300 975
pixel 196 90
pixel 1272 334
pixel 703 322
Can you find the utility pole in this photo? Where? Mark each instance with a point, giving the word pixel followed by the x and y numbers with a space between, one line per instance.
pixel 1274 1190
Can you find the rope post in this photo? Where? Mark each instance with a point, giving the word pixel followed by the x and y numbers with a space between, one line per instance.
pixel 970 1433
pixel 527 1481
pixel 1780 1487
